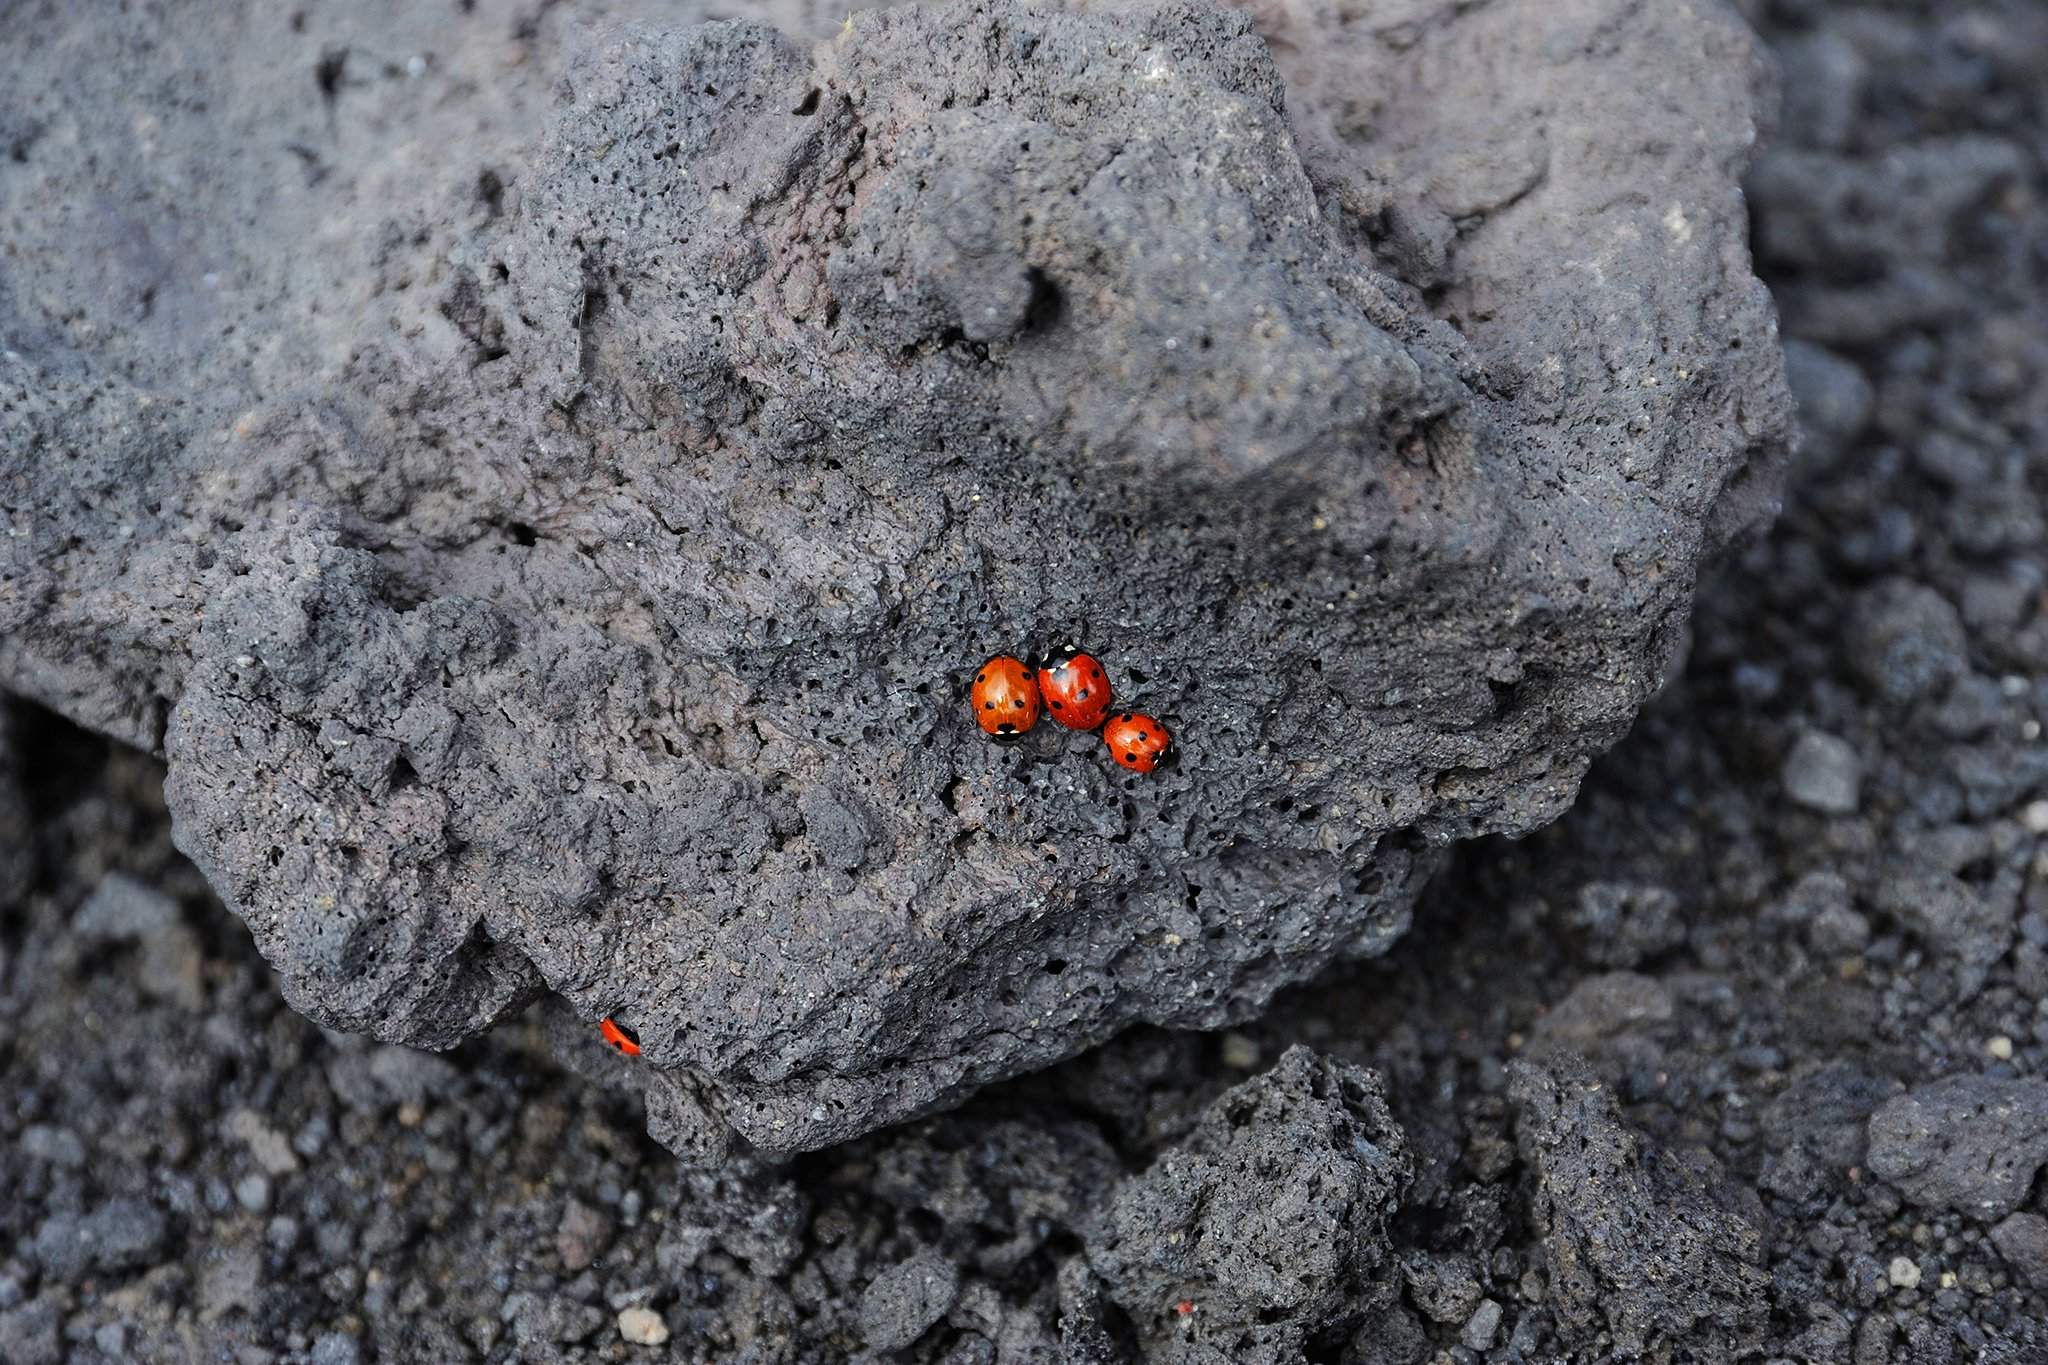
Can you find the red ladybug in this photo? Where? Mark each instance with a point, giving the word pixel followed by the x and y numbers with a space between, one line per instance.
pixel 1005 698
pixel 1136 741
pixel 1076 689
pixel 620 1037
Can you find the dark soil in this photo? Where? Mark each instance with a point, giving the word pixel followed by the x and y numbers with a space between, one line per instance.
pixel 1796 926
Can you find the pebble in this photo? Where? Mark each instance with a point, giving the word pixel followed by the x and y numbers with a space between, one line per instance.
pixel 252 1192
pixel 643 1327
pixel 2000 1047
pixel 1481 1327
pixel 1903 1273
pixel 1839 930
pixel 1905 641
pixel 58 1146
pixel 336 1348
pixel 1823 773
pixel 270 1147
pixel 903 1302
pixel 2035 817
pixel 581 1235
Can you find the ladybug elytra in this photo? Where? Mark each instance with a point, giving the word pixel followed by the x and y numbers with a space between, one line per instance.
pixel 619 1036
pixel 1075 687
pixel 1005 698
pixel 1136 741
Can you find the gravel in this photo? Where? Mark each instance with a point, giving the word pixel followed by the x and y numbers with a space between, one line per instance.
pixel 1785 1011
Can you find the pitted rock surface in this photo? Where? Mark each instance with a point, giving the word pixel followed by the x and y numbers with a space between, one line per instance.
pixel 550 549
pixel 1270 1219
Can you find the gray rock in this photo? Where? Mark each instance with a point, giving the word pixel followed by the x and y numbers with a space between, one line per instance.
pixel 252 1192
pixel 1839 928
pixel 1823 773
pixel 1970 930
pixel 58 1146
pixel 1824 1112
pixel 1445 1288
pixel 336 1348
pixel 1905 641
pixel 1606 1006
pixel 903 1302
pixel 121 1234
pixel 121 908
pixel 1649 1244
pixel 596 625
pixel 1270 1215
pixel 1834 401
pixel 1626 923
pixel 581 1236
pixel 1482 1326
pixel 1967 1143
pixel 1389 1336
pixel 2022 1239
pixel 28 1334
pixel 410 1076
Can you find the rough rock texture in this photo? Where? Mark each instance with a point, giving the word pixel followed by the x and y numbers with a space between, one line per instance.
pixel 1647 1247
pixel 1968 1143
pixel 1266 1225
pixel 547 545
pixel 415 1205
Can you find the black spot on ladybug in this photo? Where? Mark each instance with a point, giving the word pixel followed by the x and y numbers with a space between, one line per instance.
pixel 1055 706
pixel 1006 728
pixel 1130 758
pixel 1084 695
pixel 979 676
pixel 988 706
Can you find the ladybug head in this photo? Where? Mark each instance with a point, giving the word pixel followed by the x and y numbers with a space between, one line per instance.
pixel 1058 648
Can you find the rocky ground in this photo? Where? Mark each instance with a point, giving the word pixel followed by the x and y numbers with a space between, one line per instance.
pixel 1742 1058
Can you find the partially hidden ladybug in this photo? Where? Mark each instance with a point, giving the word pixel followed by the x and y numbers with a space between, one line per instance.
pixel 1075 688
pixel 1136 741
pixel 1005 697
pixel 619 1036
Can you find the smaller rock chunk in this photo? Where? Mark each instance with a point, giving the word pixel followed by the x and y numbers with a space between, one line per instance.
pixel 1947 914
pixel 1823 773
pixel 905 1300
pixel 1967 1143
pixel 1905 641
pixel 1445 1288
pixel 2022 1239
pixel 1481 1326
pixel 643 1327
pixel 1627 923
pixel 1270 1215
pixel 1649 1243
pixel 581 1235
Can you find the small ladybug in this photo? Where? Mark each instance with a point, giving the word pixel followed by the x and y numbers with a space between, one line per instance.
pixel 1005 698
pixel 1075 688
pixel 1136 741
pixel 619 1036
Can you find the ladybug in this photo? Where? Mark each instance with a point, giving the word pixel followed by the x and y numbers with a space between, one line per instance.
pixel 1075 688
pixel 619 1036
pixel 1136 741
pixel 1004 697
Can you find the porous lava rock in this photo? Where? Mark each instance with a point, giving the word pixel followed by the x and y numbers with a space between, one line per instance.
pixel 1266 1224
pixel 1652 1251
pixel 549 544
